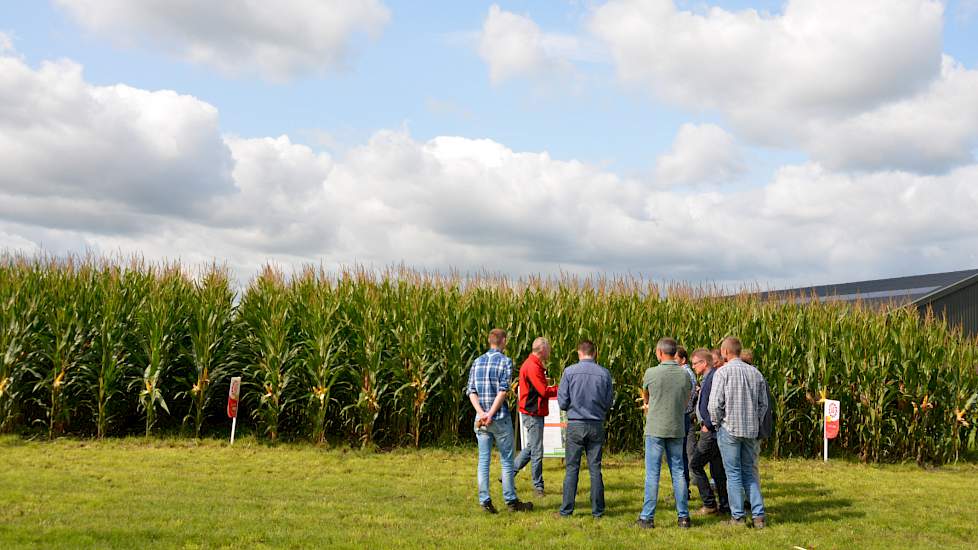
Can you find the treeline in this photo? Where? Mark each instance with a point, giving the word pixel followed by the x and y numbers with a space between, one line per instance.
pixel 95 347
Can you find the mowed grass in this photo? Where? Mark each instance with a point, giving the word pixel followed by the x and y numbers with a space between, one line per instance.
pixel 174 494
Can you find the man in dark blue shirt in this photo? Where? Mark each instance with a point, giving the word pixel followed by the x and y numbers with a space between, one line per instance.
pixel 586 394
pixel 707 451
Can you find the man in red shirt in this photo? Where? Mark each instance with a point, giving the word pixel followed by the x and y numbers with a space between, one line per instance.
pixel 535 397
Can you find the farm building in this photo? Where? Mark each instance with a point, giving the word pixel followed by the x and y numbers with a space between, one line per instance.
pixel 952 295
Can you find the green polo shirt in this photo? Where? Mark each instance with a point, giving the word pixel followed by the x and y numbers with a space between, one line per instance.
pixel 668 386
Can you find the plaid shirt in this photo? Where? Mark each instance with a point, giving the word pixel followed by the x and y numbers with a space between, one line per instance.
pixel 490 375
pixel 738 399
pixel 691 402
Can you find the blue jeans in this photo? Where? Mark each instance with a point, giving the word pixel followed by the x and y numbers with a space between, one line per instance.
pixel 673 449
pixel 740 463
pixel 583 437
pixel 500 431
pixel 532 448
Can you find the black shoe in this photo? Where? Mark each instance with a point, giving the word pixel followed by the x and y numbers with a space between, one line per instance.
pixel 759 522
pixel 488 507
pixel 519 506
pixel 684 523
pixel 645 523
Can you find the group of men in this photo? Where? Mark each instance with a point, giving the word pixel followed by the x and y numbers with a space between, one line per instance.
pixel 717 421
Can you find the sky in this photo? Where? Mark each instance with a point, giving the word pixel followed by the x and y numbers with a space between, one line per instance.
pixel 761 143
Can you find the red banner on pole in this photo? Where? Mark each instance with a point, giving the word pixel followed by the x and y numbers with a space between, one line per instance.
pixel 831 419
pixel 233 397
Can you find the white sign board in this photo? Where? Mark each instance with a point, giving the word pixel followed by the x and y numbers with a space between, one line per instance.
pixel 553 431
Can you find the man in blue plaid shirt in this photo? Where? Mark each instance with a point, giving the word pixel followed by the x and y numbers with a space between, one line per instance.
pixel 487 390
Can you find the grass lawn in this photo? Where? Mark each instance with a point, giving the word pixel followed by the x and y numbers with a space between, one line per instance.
pixel 172 494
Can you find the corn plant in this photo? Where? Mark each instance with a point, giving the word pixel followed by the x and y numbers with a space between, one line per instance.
pixel 210 316
pixel 19 295
pixel 371 370
pixel 105 376
pixel 412 318
pixel 160 320
pixel 270 347
pixel 63 341
pixel 320 328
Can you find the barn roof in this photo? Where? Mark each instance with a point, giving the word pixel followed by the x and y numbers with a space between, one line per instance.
pixel 897 291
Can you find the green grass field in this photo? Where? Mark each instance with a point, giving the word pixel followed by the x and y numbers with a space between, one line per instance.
pixel 172 494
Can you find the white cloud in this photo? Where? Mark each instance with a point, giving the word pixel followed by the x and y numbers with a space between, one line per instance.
pixel 16 244
pixel 275 39
pixel 446 202
pixel 814 58
pixel 6 43
pixel 514 46
pixel 856 85
pixel 701 153
pixel 159 153
pixel 927 132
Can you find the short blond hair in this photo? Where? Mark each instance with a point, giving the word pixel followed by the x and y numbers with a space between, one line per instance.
pixel 497 336
pixel 704 354
pixel 732 345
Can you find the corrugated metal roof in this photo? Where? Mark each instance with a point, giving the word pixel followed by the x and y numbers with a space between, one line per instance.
pixel 895 291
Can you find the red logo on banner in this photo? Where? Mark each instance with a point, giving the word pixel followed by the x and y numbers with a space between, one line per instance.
pixel 831 419
pixel 233 397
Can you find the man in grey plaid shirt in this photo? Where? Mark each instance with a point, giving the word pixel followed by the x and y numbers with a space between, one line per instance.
pixel 738 401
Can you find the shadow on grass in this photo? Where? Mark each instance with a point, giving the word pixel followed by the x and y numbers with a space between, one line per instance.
pixel 814 510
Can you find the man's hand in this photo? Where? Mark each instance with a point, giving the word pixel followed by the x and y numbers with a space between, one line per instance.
pixel 703 428
pixel 486 419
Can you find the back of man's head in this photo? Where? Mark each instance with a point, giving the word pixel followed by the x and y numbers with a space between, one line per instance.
pixel 586 349
pixel 497 337
pixel 731 346
pixel 668 347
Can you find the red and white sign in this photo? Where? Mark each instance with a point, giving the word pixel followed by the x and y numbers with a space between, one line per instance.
pixel 831 419
pixel 233 397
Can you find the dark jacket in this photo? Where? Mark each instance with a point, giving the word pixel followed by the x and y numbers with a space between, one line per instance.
pixel 535 394
pixel 702 411
pixel 585 391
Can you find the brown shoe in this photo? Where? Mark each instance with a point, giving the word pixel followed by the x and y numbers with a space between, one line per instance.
pixel 736 522
pixel 519 506
pixel 759 522
pixel 539 493
pixel 707 511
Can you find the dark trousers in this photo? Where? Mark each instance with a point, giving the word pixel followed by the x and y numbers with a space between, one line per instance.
pixel 706 452
pixel 688 442
pixel 583 438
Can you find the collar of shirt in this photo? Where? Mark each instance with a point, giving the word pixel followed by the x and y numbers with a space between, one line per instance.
pixel 592 361
pixel 535 360
pixel 669 362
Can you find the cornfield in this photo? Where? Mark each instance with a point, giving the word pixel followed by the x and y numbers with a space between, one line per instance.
pixel 96 347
